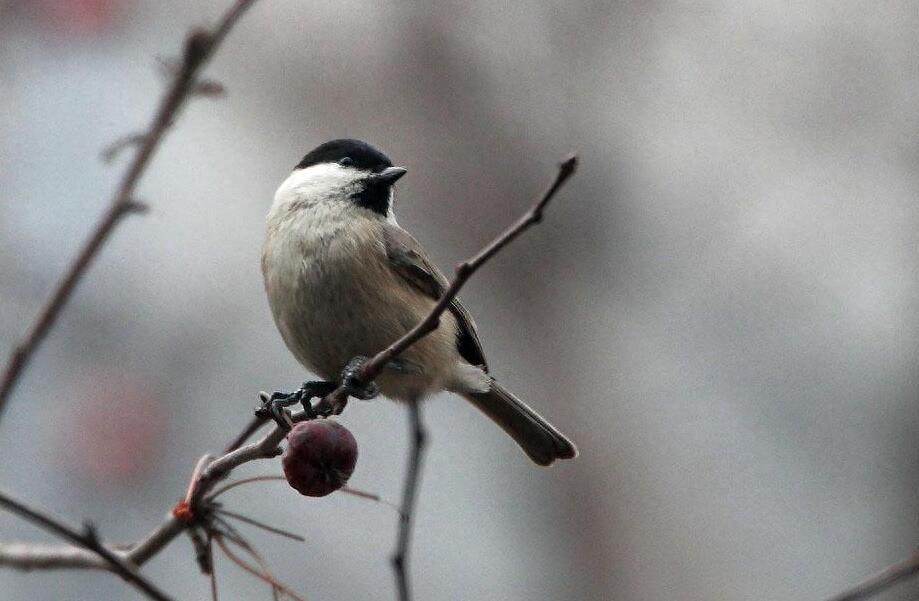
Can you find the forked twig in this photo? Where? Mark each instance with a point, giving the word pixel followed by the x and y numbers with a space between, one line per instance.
pixel 262 575
pixel 87 540
pixel 258 524
pixel 199 48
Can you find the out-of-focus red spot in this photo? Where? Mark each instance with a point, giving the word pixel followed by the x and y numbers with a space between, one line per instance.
pixel 114 429
pixel 79 16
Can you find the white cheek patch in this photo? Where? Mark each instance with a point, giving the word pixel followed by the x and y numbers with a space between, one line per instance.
pixel 317 183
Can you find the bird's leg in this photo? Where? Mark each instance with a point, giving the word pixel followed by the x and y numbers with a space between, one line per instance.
pixel 353 381
pixel 317 389
pixel 276 405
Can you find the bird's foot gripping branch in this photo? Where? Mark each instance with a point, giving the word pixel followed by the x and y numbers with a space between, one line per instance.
pixel 275 406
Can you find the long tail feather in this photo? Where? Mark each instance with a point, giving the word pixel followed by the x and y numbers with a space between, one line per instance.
pixel 537 437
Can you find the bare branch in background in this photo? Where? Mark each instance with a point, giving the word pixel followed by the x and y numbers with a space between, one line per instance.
pixel 199 48
pixel 418 436
pixel 88 540
pixel 881 581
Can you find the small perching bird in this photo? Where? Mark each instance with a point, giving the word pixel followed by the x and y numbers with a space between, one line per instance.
pixel 344 281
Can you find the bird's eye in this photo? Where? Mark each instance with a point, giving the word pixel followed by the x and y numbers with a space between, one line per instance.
pixel 346 162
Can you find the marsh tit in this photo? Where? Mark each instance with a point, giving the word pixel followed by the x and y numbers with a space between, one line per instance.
pixel 344 281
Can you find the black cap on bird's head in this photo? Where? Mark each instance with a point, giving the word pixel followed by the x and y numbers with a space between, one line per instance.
pixel 352 153
pixel 376 171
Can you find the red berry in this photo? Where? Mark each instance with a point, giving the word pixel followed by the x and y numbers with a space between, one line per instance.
pixel 320 457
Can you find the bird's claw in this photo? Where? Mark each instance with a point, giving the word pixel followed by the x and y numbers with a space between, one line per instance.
pixel 275 406
pixel 326 409
pixel 353 381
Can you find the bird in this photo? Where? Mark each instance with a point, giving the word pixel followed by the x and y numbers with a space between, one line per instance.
pixel 344 281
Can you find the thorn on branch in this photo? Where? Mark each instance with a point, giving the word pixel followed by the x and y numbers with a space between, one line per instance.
pixel 135 206
pixel 209 88
pixel 567 167
pixel 203 554
pixel 197 46
pixel 111 152
pixel 91 535
pixel 464 270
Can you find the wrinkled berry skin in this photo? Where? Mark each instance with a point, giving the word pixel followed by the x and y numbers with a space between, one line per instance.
pixel 320 457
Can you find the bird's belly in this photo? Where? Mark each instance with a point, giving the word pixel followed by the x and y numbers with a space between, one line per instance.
pixel 343 301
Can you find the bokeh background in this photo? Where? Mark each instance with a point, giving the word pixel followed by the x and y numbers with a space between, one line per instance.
pixel 722 308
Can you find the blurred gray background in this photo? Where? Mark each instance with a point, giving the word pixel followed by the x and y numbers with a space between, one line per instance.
pixel 722 308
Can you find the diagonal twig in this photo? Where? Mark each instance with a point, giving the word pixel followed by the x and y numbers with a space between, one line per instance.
pixel 264 574
pixel 372 368
pixel 883 580
pixel 87 540
pixel 210 558
pixel 199 47
pixel 235 483
pixel 232 534
pixel 258 524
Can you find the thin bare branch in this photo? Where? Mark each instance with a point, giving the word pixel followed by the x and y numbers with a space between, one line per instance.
pixel 213 574
pixel 88 540
pixel 881 581
pixel 372 368
pixel 200 46
pixel 253 427
pixel 370 497
pixel 262 575
pixel 258 524
pixel 196 476
pixel 231 485
pixel 34 556
pixel 235 536
pixel 399 559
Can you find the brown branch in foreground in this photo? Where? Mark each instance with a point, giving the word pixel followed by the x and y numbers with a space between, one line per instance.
pixel 87 540
pixel 213 472
pixel 884 579
pixel 199 47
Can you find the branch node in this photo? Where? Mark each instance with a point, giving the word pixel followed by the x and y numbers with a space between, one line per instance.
pixel 135 206
pixel 197 47
pixel 111 152
pixel 464 270
pixel 91 535
pixel 209 88
pixel 183 512
pixel 567 167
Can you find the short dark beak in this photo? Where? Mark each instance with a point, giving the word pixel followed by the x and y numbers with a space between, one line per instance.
pixel 389 175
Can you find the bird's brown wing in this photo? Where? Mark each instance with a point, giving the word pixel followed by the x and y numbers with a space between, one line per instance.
pixel 408 259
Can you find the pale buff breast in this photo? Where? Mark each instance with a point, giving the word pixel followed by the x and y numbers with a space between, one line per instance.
pixel 334 297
